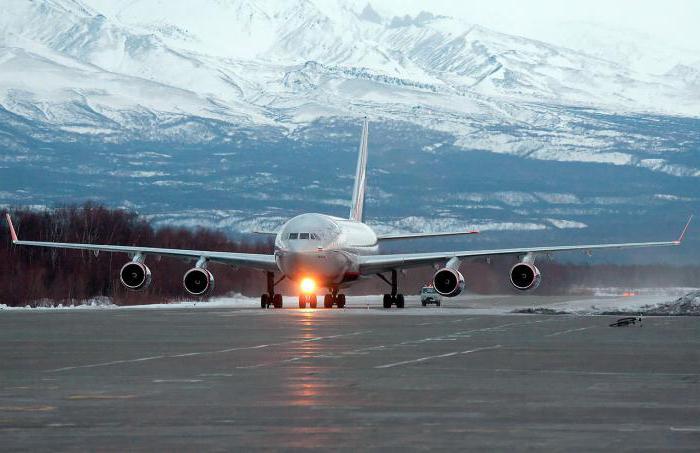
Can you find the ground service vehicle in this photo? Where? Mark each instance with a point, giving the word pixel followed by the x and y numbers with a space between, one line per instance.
pixel 428 295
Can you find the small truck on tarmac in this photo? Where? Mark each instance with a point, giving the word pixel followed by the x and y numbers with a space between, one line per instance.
pixel 428 295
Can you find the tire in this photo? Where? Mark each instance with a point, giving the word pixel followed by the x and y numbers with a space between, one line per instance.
pixel 302 301
pixel 341 301
pixel 437 304
pixel 425 304
pixel 399 301
pixel 277 301
pixel 328 301
pixel 264 301
pixel 313 301
pixel 387 301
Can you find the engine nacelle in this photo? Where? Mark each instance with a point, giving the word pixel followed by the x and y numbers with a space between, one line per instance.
pixel 448 282
pixel 525 276
pixel 136 276
pixel 198 281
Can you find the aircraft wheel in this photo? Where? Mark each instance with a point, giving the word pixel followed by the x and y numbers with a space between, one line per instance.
pixel 328 301
pixel 399 301
pixel 264 301
pixel 387 301
pixel 302 301
pixel 312 301
pixel 277 301
pixel 341 301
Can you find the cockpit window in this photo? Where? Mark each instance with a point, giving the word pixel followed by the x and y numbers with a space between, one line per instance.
pixel 313 236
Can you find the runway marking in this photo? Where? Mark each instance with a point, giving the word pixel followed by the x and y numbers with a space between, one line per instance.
pixel 27 408
pixel 448 322
pixel 593 373
pixel 366 350
pixel 569 331
pixel 686 429
pixel 61 425
pixel 440 356
pixel 176 381
pixel 101 397
pixel 191 354
pixel 114 362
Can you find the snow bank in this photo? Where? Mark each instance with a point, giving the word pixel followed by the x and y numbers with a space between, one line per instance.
pixel 688 305
pixel 105 303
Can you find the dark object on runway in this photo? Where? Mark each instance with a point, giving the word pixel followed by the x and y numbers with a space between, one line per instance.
pixel 622 322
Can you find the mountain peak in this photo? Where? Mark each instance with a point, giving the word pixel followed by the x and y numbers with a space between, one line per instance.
pixel 420 19
pixel 369 14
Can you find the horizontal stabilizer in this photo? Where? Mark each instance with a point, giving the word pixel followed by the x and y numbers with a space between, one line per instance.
pixel 394 237
pixel 268 233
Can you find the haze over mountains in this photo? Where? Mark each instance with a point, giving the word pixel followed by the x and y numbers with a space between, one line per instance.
pixel 148 103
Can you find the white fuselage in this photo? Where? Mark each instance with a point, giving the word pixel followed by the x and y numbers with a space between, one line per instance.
pixel 323 248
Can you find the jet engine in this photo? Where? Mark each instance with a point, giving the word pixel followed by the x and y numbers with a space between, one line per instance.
pixel 525 276
pixel 198 281
pixel 448 282
pixel 134 275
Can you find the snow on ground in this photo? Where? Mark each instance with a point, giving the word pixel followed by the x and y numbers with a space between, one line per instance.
pixel 657 302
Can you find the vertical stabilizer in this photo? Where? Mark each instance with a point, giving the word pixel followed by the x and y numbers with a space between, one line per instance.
pixel 358 192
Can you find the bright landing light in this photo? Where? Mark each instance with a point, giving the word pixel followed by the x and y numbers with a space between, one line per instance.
pixel 308 285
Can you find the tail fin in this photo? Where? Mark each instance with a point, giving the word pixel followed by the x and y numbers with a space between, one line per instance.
pixel 358 192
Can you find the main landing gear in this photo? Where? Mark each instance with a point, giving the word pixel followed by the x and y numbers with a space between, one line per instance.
pixel 394 298
pixel 328 300
pixel 334 299
pixel 270 298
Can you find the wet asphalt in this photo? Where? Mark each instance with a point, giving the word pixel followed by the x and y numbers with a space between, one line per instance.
pixel 222 379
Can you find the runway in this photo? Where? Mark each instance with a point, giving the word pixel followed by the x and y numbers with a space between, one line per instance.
pixel 359 378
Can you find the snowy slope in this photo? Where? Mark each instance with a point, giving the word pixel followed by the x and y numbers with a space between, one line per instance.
pixel 162 70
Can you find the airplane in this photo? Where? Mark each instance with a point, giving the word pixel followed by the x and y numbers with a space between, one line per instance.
pixel 323 251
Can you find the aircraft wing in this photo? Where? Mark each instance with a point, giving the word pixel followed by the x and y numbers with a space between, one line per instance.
pixel 381 263
pixel 252 260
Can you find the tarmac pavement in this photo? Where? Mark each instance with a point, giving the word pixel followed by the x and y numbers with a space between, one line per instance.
pixel 219 379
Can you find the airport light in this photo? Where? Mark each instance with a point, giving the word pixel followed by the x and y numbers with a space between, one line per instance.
pixel 308 285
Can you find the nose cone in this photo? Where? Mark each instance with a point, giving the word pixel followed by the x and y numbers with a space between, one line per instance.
pixel 308 233
pixel 305 247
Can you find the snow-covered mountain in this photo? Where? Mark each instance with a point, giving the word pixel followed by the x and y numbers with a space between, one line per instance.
pixel 179 111
pixel 134 69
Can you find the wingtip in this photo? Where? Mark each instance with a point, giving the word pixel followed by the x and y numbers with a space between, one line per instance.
pixel 685 228
pixel 13 234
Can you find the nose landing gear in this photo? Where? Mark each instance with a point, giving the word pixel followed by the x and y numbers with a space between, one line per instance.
pixel 309 299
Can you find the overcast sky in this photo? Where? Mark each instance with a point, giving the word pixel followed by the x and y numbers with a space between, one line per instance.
pixel 673 21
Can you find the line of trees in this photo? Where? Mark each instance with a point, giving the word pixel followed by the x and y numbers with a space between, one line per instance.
pixel 32 275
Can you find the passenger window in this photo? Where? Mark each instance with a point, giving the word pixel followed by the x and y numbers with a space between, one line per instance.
pixel 303 235
pixel 293 235
pixel 314 236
